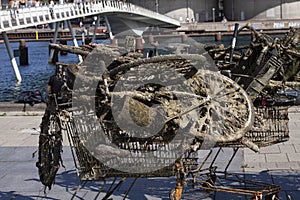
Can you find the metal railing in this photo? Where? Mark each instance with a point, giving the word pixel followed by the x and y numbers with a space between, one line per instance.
pixel 13 19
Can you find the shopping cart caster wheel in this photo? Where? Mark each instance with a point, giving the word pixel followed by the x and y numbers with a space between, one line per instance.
pixel 175 195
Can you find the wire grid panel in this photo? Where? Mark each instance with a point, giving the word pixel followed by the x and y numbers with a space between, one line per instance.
pixel 90 168
pixel 270 126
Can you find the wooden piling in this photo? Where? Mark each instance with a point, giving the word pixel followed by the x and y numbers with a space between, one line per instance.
pixel 139 44
pixel 114 42
pixel 23 53
pixel 184 38
pixel 218 36
pixel 87 40
pixel 150 39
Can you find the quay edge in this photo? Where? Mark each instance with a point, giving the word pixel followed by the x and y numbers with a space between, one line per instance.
pixel 209 28
pixel 191 29
pixel 30 34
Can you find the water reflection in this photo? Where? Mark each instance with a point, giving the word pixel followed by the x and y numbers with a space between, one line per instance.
pixel 34 76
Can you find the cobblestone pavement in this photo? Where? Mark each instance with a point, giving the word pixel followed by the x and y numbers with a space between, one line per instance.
pixel 277 164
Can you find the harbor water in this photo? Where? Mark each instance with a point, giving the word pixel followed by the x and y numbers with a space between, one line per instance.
pixel 35 76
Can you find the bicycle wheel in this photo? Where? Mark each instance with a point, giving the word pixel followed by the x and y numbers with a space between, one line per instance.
pixel 50 144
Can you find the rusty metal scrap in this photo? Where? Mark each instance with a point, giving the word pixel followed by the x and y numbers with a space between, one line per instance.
pixel 190 96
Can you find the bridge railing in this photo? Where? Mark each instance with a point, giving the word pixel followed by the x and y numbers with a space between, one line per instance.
pixel 12 19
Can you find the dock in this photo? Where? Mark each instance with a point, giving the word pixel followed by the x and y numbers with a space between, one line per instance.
pixel 226 28
pixel 191 29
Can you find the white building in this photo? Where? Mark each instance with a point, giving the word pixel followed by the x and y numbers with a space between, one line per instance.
pixel 206 10
pixel 262 10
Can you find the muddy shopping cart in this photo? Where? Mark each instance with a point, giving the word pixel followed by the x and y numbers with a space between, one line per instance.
pixel 172 105
pixel 190 172
pixel 99 145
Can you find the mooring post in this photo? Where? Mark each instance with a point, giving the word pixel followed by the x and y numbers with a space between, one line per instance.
pixel 23 52
pixel 184 38
pixel 74 39
pixel 114 42
pixel 12 58
pixel 218 37
pixel 139 44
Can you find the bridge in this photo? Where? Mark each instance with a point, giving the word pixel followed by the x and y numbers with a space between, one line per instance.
pixel 14 19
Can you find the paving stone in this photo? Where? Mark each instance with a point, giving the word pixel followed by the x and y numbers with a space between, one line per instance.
pixel 236 167
pixel 293 156
pixel 19 176
pixel 248 151
pixel 254 158
pixel 288 165
pixel 268 165
pixel 202 154
pixel 295 139
pixel 251 165
pixel 6 152
pixel 276 157
pixel 30 141
pixel 5 168
pixel 270 149
pixel 297 148
pixel 23 182
pixel 288 148
pixel 19 154
pixel 254 169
